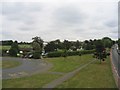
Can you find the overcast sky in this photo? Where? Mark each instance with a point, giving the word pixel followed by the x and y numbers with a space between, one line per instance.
pixel 55 19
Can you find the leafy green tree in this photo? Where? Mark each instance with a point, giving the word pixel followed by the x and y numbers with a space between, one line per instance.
pixel 14 50
pixel 66 44
pixel 37 45
pixel 107 42
pixel 37 50
pixel 100 50
pixel 65 54
pixel 7 42
pixel 88 45
pixel 50 47
pixel 38 40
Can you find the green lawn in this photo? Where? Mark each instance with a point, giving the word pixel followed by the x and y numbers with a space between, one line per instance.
pixel 35 81
pixel 10 64
pixel 70 63
pixel 25 46
pixel 4 47
pixel 38 80
pixel 96 75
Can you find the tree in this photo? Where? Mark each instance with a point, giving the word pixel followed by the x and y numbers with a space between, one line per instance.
pixel 65 54
pixel 14 50
pixel 77 44
pixel 89 45
pixel 66 44
pixel 37 45
pixel 38 40
pixel 37 50
pixel 7 42
pixel 100 50
pixel 107 42
pixel 50 47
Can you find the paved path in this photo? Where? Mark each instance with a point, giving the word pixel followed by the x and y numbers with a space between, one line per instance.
pixel 67 76
pixel 27 68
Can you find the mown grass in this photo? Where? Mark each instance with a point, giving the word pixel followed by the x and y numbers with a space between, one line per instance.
pixel 4 47
pixel 95 75
pixel 39 80
pixel 68 64
pixel 10 64
pixel 25 46
pixel 34 81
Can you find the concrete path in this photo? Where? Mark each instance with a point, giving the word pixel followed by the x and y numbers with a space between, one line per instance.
pixel 67 76
pixel 27 68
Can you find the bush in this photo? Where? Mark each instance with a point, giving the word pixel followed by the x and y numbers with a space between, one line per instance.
pixel 14 50
pixel 36 55
pixel 3 52
pixel 55 54
pixel 69 53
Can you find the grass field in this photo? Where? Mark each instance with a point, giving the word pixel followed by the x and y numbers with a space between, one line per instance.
pixel 70 63
pixel 20 46
pixel 96 75
pixel 35 81
pixel 25 46
pixel 4 47
pixel 39 80
pixel 10 64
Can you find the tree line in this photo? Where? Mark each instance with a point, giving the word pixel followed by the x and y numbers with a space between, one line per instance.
pixel 38 45
pixel 75 45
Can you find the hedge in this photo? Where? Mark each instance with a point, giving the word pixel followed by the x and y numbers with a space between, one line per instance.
pixel 69 53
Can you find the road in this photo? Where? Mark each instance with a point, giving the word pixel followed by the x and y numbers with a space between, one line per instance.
pixel 116 59
pixel 27 68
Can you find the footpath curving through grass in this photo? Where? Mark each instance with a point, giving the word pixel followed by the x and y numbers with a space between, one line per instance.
pixel 10 64
pixel 95 75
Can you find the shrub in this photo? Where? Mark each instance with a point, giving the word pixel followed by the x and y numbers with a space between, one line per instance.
pixel 69 53
pixel 36 55
pixel 14 49
pixel 55 54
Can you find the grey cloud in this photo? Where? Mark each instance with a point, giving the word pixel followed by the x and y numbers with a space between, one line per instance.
pixel 114 31
pixel 20 11
pixel 63 22
pixel 26 28
pixel 112 23
pixel 6 35
pixel 21 17
pixel 19 7
pixel 69 15
pixel 9 8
